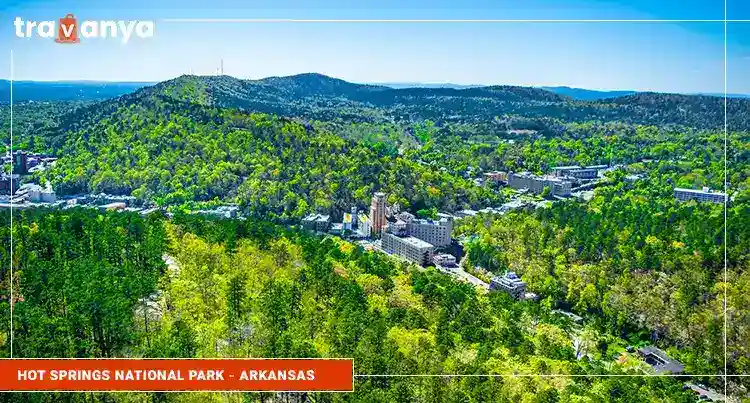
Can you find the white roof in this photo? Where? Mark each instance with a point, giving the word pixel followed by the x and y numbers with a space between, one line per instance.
pixel 416 242
pixel 698 191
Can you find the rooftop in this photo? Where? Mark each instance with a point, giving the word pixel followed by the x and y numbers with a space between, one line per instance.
pixel 416 242
pixel 441 220
pixel 510 278
pixel 660 361
pixel 699 191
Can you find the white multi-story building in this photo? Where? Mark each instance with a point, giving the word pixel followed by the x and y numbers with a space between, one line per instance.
pixel 536 184
pixel 316 222
pixel 510 283
pixel 583 173
pixel 407 247
pixel 444 260
pixel 363 226
pixel 575 171
pixel 437 232
pixel 563 171
pixel 705 195
pixel 35 193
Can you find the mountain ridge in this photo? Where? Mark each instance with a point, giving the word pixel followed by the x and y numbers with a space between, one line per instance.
pixel 319 97
pixel 32 90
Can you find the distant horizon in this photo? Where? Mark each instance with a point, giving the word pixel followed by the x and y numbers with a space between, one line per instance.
pixel 413 84
pixel 668 56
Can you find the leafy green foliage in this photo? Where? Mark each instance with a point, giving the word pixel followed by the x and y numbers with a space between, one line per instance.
pixel 273 167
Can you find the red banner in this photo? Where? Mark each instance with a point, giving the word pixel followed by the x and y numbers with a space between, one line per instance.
pixel 166 375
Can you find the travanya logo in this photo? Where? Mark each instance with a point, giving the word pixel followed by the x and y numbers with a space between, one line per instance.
pixel 68 30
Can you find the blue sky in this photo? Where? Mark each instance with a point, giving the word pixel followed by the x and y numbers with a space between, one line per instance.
pixel 673 57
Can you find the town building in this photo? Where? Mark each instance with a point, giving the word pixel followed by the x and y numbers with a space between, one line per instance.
pixel 363 226
pixel 8 182
pixel 397 228
pixel 222 212
pixel 444 260
pixel 563 171
pixel 509 283
pixel 705 195
pixel 576 172
pixel 337 228
pixel 584 195
pixel 348 222
pixel 20 163
pixel 436 232
pixel 496 176
pixel 583 173
pixel 537 184
pixel 352 219
pixel 35 193
pixel 316 222
pixel 405 216
pixel 408 247
pixel 660 361
pixel 377 213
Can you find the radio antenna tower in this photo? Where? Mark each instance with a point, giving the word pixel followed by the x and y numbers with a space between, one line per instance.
pixel 221 70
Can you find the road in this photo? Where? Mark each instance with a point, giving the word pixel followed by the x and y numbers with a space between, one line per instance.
pixel 701 391
pixel 461 274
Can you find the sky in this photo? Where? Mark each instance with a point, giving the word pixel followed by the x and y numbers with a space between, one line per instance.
pixel 667 56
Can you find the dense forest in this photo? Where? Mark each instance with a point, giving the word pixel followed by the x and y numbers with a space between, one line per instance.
pixel 273 167
pixel 171 147
pixel 639 267
pixel 88 288
pixel 319 97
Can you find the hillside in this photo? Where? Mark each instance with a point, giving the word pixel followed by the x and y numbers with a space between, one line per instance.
pixel 205 138
pixel 587 95
pixel 174 152
pixel 324 98
pixel 483 113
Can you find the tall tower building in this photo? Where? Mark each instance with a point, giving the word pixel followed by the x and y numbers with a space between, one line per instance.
pixel 20 163
pixel 377 213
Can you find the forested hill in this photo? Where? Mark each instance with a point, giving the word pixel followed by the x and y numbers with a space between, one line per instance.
pixel 325 98
pixel 492 110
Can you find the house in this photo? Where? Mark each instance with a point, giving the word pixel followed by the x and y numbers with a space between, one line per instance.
pixel 704 195
pixel 444 260
pixel 316 222
pixel 660 361
pixel 509 283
